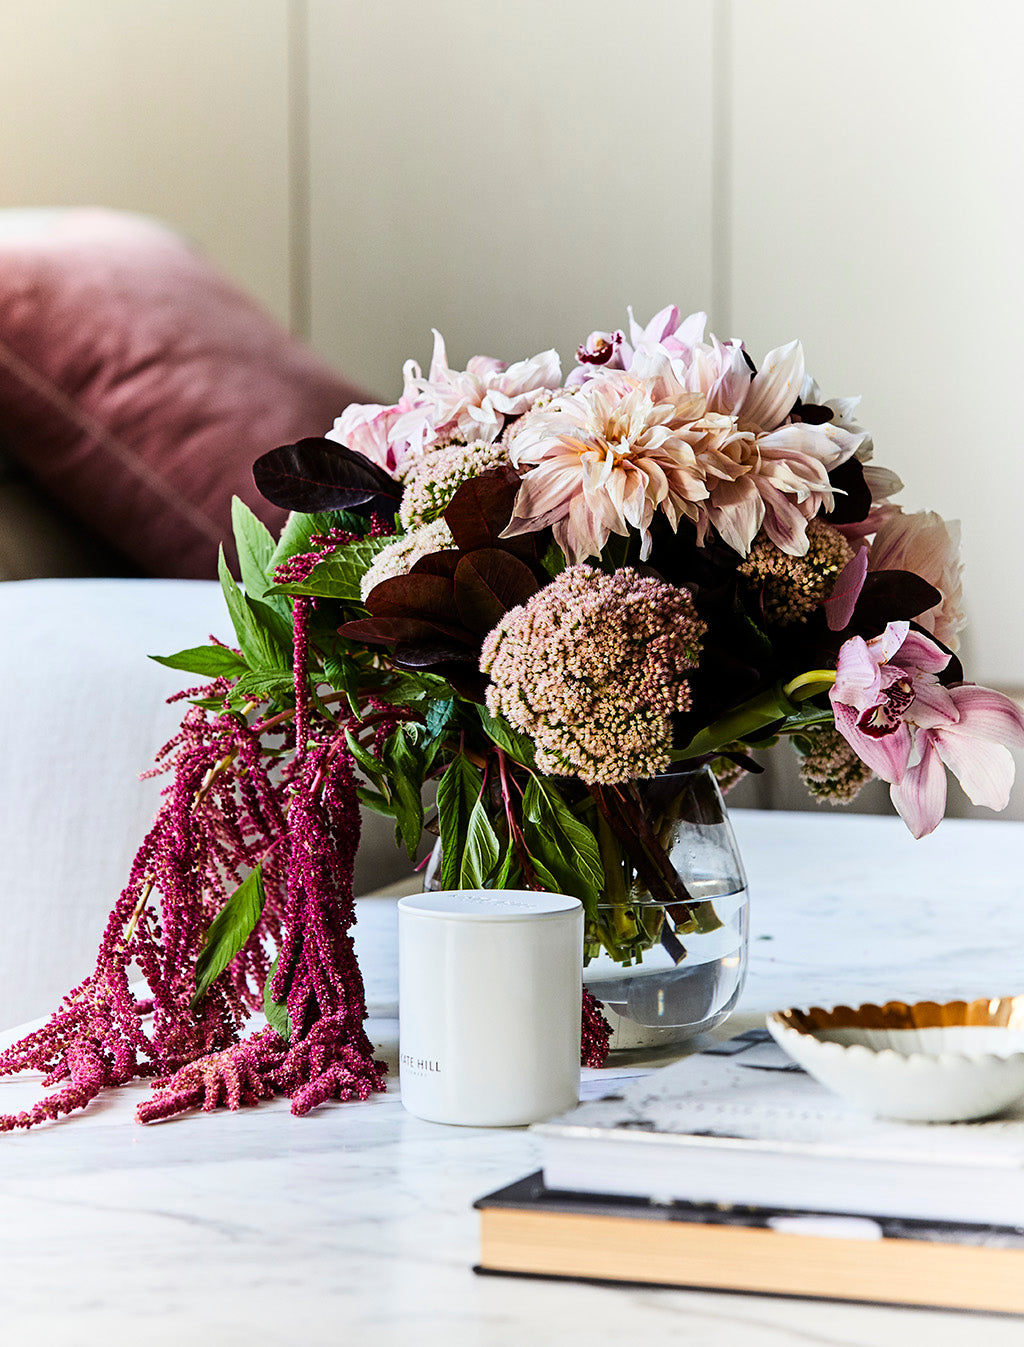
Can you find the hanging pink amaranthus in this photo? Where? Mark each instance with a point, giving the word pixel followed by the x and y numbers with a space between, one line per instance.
pixel 329 1055
pixel 224 814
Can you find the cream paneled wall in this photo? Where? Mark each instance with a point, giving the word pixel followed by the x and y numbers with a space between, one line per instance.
pixel 877 210
pixel 176 108
pixel 846 171
pixel 514 176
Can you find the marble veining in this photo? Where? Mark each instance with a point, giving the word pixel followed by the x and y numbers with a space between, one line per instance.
pixel 355 1224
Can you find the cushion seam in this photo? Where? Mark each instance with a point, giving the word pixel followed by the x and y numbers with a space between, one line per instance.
pixel 61 402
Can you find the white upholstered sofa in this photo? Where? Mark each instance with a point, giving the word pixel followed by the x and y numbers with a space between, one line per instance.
pixel 84 714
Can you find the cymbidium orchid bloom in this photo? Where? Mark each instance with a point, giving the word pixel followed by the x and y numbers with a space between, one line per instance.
pixel 666 334
pixel 891 708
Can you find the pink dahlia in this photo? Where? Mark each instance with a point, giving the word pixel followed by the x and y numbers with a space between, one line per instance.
pixel 764 469
pixel 602 460
pixel 928 545
pixel 470 404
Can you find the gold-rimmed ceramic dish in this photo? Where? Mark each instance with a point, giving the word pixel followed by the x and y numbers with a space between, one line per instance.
pixel 924 1061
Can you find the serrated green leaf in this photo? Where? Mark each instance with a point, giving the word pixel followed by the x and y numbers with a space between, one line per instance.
pixel 228 932
pixel 300 528
pixel 440 717
pixel 517 746
pixel 482 851
pixel 255 547
pixel 457 793
pixel 339 575
pixel 212 661
pixel 261 649
pixel 265 685
pixel 276 1011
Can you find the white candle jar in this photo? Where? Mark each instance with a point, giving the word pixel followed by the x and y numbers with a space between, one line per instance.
pixel 489 1003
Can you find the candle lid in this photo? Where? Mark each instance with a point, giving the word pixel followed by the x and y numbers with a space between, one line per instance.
pixel 489 904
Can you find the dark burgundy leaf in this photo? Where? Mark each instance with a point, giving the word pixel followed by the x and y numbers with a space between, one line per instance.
pixel 413 655
pixel 391 630
pixel 852 507
pixel 482 508
pixel 437 563
pixel 431 597
pixel 489 582
pixel 811 413
pixel 314 475
pixel 891 596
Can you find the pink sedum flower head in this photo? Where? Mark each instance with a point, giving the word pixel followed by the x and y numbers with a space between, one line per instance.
pixel 603 460
pixel 899 719
pixel 591 668
pixel 470 404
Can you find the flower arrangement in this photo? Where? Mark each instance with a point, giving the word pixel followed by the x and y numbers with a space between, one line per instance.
pixel 541 596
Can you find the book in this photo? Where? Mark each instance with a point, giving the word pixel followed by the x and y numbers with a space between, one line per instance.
pixel 527 1229
pixel 740 1123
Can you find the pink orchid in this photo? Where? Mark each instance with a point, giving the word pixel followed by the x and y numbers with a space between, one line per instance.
pixel 899 719
pixel 470 404
pixel 666 335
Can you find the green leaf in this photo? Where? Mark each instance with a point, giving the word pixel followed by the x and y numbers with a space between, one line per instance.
pixel 228 932
pixel 405 766
pixel 212 661
pixel 482 851
pixel 553 559
pixel 340 574
pixel 568 847
pixel 372 766
pixel 276 1011
pixel 265 686
pixel 345 674
pixel 518 746
pixel 546 877
pixel 375 801
pixel 441 716
pixel 508 864
pixel 260 648
pixel 457 793
pixel 300 528
pixel 255 547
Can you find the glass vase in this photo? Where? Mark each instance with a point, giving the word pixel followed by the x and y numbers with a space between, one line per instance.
pixel 665 972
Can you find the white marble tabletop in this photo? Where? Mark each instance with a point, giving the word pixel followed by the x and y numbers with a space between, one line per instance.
pixel 354 1225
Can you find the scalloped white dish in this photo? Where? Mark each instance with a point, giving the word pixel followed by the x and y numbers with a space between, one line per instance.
pixel 920 1061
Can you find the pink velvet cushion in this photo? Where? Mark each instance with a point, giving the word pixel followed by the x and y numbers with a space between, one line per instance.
pixel 137 384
